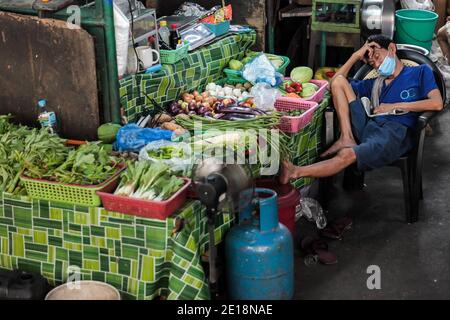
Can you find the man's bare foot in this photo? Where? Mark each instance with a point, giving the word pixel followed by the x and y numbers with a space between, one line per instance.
pixel 287 170
pixel 338 146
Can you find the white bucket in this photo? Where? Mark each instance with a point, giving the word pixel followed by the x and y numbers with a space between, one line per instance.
pixel 84 290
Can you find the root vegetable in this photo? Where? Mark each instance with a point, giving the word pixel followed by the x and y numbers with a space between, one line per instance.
pixel 163 117
pixel 171 126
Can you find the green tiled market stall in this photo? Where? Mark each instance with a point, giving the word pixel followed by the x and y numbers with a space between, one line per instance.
pixel 143 258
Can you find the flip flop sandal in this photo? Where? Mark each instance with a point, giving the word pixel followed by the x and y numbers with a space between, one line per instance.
pixel 336 229
pixel 318 248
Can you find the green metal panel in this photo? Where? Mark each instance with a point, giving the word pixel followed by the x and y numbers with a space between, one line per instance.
pixel 335 26
pixel 98 20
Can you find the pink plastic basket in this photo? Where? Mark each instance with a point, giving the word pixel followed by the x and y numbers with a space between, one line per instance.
pixel 145 208
pixel 318 96
pixel 295 124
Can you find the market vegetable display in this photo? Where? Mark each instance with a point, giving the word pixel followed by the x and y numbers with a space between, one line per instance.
pixel 167 152
pixel 239 65
pixel 21 149
pixel 299 85
pixel 35 153
pixel 88 164
pixel 213 107
pixel 148 181
pixel 268 121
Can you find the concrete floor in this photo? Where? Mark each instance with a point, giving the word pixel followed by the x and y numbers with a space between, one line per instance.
pixel 414 259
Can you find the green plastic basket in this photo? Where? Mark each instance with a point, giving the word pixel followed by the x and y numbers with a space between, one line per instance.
pixel 70 193
pixel 173 56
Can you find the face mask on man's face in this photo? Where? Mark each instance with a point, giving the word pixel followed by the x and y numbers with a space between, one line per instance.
pixel 387 68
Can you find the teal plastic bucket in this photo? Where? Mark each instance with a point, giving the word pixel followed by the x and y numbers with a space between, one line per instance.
pixel 415 27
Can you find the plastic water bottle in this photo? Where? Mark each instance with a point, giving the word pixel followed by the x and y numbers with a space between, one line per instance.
pixel 46 118
pixel 312 211
pixel 164 33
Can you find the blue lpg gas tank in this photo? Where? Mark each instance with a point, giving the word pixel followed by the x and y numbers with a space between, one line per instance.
pixel 259 253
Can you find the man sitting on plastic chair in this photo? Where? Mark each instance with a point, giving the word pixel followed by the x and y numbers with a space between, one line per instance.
pixel 376 117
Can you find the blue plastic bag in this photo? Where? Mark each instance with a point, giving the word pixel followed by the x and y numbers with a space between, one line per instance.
pixel 133 138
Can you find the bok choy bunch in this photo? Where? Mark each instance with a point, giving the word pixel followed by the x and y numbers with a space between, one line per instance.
pixel 148 181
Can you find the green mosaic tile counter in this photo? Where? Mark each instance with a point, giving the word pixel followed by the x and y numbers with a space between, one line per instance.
pixel 143 258
pixel 307 143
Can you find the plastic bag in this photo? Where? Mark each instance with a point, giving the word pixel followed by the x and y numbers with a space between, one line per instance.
pixel 133 138
pixel 418 4
pixel 264 96
pixel 124 6
pixel 312 211
pixel 260 69
pixel 122 30
pixel 219 15
pixel 190 9
pixel 177 163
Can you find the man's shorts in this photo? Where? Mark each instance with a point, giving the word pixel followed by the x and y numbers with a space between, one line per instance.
pixel 380 142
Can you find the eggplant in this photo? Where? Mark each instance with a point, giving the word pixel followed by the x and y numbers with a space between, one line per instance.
pixel 218 106
pixel 174 108
pixel 237 116
pixel 241 110
pixel 202 110
pixel 192 106
pixel 208 114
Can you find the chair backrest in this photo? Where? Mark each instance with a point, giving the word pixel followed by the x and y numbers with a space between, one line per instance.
pixel 409 58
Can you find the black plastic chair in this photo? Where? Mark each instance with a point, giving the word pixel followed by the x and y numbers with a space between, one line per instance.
pixel 410 164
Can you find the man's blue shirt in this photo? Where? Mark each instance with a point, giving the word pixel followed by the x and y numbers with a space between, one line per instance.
pixel 412 84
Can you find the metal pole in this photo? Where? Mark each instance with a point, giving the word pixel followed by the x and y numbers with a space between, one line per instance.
pixel 105 7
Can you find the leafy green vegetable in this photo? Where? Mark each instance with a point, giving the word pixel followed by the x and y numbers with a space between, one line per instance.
pixel 295 113
pixel 24 149
pixel 130 178
pixel 36 153
pixel 149 181
pixel 302 74
pixel 165 153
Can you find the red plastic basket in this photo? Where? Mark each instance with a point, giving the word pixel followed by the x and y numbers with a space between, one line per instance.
pixel 145 208
pixel 295 124
pixel 318 96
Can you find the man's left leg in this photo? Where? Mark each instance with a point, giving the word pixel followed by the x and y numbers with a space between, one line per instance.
pixel 344 158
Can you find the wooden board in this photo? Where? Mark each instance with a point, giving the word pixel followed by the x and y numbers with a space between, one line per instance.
pixel 251 12
pixel 45 59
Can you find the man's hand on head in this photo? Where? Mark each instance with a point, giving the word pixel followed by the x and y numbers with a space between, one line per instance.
pixel 366 51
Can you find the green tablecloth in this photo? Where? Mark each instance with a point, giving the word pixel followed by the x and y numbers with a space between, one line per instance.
pixel 143 258
pixel 307 144
pixel 192 73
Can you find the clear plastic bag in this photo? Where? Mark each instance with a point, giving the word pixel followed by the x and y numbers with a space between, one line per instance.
pixel 312 211
pixel 176 163
pixel 122 30
pixel 264 96
pixel 261 70
pixel 418 4
pixel 190 9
